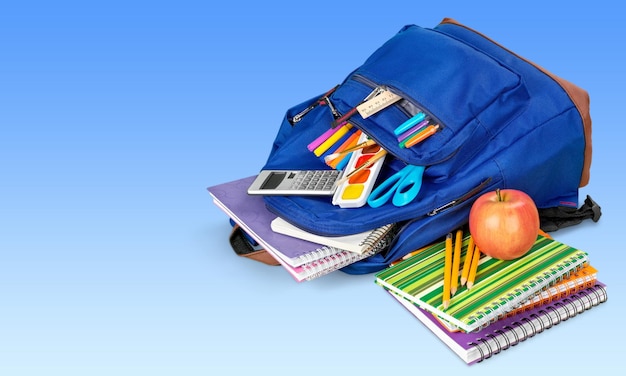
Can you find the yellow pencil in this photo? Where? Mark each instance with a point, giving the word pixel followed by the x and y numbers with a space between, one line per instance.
pixel 447 271
pixel 349 143
pixel 473 268
pixel 467 262
pixel 410 254
pixel 456 262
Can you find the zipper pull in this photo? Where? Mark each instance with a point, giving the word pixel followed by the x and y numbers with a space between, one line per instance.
pixel 334 111
pixel 324 98
pixel 461 199
pixel 344 119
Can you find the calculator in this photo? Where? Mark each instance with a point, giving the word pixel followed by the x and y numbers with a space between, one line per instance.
pixel 295 182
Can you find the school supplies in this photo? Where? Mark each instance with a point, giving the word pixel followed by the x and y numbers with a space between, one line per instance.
pixel 576 281
pixel 402 187
pixel 467 262
pixel 360 174
pixel 447 272
pixel 303 259
pixel 509 331
pixel 344 118
pixel 413 130
pixel 491 120
pixel 340 156
pixel 380 101
pixel 407 125
pixel 336 135
pixel 471 277
pixel 357 243
pixel 456 261
pixel 295 182
pixel 348 150
pixel 419 136
pixel 500 287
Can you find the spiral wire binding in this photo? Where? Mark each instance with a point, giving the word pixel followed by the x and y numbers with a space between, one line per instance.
pixel 377 241
pixel 318 254
pixel 522 294
pixel 527 327
pixel 375 237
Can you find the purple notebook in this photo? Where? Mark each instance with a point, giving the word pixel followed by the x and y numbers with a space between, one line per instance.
pixel 501 335
pixel 303 259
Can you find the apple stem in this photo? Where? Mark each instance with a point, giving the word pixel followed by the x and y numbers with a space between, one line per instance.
pixel 498 194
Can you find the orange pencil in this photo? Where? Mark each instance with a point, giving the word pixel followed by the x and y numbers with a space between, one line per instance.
pixel 473 268
pixel 456 262
pixel 467 262
pixel 447 272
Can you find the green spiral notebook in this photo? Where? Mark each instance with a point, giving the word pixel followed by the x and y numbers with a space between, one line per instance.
pixel 500 286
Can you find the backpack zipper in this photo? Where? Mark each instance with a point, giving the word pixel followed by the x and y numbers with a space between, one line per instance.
pixel 461 199
pixel 320 101
pixel 379 88
pixel 344 118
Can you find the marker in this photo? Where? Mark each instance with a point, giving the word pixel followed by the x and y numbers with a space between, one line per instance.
pixel 421 136
pixel 413 130
pixel 332 139
pixel 409 123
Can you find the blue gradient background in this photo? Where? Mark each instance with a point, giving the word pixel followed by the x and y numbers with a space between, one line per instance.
pixel 116 116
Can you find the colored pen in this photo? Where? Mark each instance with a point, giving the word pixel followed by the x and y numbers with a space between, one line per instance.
pixel 343 162
pixel 421 136
pixel 413 130
pixel 333 159
pixel 409 123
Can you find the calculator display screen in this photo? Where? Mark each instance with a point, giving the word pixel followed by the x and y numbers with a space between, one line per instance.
pixel 273 180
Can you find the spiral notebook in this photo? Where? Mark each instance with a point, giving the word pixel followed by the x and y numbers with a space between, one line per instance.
pixel 509 331
pixel 304 260
pixel 357 243
pixel 576 281
pixel 500 285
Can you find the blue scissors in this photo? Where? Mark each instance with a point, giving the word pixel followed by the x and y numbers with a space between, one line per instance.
pixel 404 186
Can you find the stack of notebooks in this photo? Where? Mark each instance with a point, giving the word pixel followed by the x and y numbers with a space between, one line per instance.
pixel 304 255
pixel 509 302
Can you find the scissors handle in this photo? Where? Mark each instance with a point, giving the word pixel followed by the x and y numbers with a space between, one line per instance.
pixel 403 186
pixel 409 187
pixel 381 194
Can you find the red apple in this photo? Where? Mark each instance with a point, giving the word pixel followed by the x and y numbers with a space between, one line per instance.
pixel 504 223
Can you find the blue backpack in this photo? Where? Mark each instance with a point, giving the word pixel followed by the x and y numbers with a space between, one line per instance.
pixel 503 122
